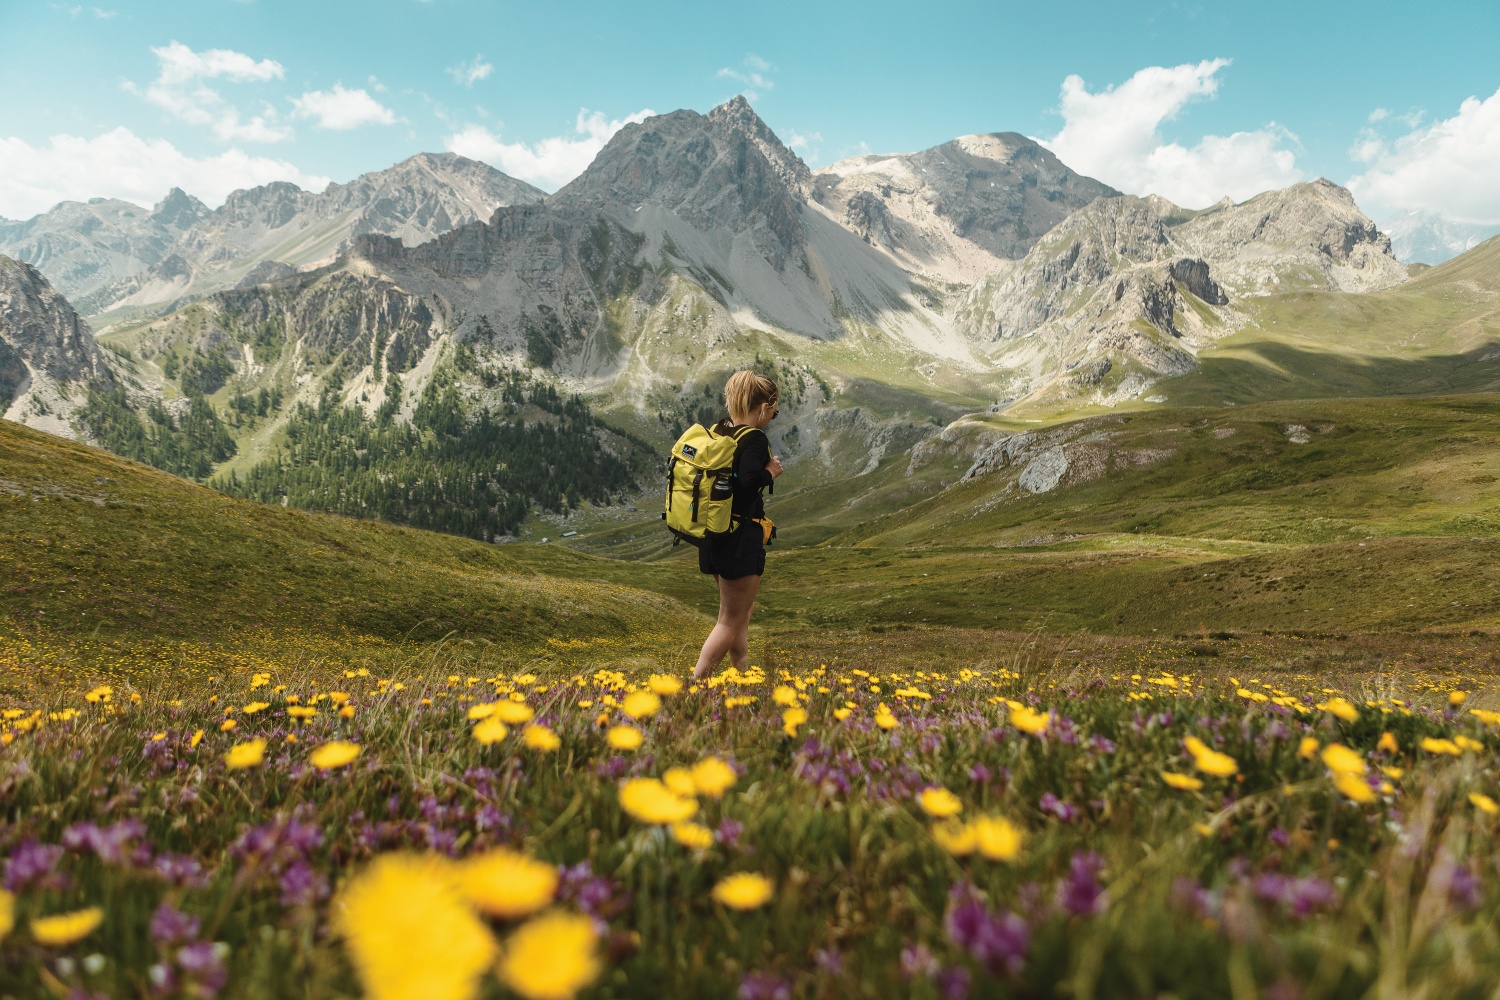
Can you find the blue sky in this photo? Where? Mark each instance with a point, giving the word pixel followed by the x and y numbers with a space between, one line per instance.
pixel 1188 100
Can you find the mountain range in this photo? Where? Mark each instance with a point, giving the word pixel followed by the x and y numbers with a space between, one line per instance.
pixel 891 295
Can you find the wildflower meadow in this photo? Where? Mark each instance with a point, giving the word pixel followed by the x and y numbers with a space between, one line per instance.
pixel 807 830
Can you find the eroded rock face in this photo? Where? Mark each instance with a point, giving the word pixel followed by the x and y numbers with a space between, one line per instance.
pixel 48 356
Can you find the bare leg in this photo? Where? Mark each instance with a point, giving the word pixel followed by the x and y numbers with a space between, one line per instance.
pixel 731 633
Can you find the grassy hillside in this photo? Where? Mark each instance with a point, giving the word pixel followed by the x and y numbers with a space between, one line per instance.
pixel 96 545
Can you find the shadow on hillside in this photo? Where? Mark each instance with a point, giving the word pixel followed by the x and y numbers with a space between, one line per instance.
pixel 1283 371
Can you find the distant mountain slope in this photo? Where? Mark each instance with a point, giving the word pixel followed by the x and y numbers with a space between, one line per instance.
pixel 960 210
pixel 48 357
pixel 1424 238
pixel 113 256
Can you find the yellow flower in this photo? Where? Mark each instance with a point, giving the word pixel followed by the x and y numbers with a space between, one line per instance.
pixel 1181 782
pixel 1465 743
pixel 784 695
pixel 664 684
pixel 551 957
pixel 255 706
pixel 624 737
pixel 1456 698
pixel 1308 748
pixel 1026 720
pixel 842 713
pixel 482 711
pixel 1341 760
pixel 997 838
pixel 490 730
pixel 640 704
pixel 227 725
pixel 332 755
pixel 693 835
pixel 1341 708
pixel 955 837
pixel 247 754
pixel 66 928
pixel 743 891
pixel 7 913
pixel 884 718
pixel 1432 745
pixel 1353 786
pixel 791 719
pixel 1488 718
pixel 1393 773
pixel 197 738
pixel 939 803
pixel 513 713
pixel 410 933
pixel 1210 761
pixel 680 781
pixel 1481 802
pixel 713 777
pixel 650 801
pixel 540 738
pixel 504 883
pixel 303 712
pixel 1387 743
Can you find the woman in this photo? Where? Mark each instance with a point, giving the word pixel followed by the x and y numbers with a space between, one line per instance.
pixel 738 560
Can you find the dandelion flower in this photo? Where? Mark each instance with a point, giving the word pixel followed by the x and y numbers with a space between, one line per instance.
pixel 513 713
pixel 842 713
pixel 1027 720
pixel 884 718
pixel 743 891
pixel 791 719
pixel 504 883
pixel 664 684
pixel 1308 748
pixel 482 711
pixel 551 957
pixel 713 777
pixel 1480 801
pixel 680 781
pixel 1387 744
pixel 255 706
pixel 227 725
pixel 66 928
pixel 540 738
pixel 693 835
pixel 7 913
pixel 1181 782
pixel 1341 760
pixel 332 755
pixel 955 837
pixel 247 754
pixel 197 738
pixel 411 934
pixel 624 737
pixel 1457 698
pixel 1353 786
pixel 1340 708
pixel 1220 765
pixel 1394 773
pixel 490 730
pixel 997 838
pixel 1433 745
pixel 1465 743
pixel 784 695
pixel 939 803
pixel 650 801
pixel 640 704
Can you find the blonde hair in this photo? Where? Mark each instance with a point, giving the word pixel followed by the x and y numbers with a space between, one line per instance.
pixel 746 392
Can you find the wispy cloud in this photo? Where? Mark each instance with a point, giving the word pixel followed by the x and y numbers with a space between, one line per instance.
pixel 341 109
pixel 466 74
pixel 182 90
pixel 120 164
pixel 753 76
pixel 548 163
pixel 1115 135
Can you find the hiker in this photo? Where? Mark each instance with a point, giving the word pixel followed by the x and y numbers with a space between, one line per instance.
pixel 737 558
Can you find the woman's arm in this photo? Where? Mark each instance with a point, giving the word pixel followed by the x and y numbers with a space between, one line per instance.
pixel 754 464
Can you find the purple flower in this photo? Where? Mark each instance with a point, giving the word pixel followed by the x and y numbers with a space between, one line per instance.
pixel 1189 896
pixel 1062 810
pixel 829 961
pixel 112 843
pixel 954 982
pixel 34 863
pixel 1080 893
pixel 1102 745
pixel 917 960
pixel 764 986
pixel 1463 889
pixel 981 774
pixel 203 961
pixel 180 870
pixel 301 886
pixel 729 832
pixel 171 926
pixel 1279 837
pixel 995 940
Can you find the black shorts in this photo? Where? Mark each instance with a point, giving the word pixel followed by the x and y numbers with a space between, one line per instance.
pixel 740 554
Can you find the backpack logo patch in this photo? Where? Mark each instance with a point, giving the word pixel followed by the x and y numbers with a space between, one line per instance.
pixel 688 451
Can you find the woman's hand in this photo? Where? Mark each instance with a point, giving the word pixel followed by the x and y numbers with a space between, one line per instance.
pixel 774 466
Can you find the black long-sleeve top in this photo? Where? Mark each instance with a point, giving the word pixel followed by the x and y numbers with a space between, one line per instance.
pixel 751 475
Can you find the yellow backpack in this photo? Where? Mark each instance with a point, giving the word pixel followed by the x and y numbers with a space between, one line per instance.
pixel 700 483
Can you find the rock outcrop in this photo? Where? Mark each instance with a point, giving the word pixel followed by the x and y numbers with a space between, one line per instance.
pixel 48 356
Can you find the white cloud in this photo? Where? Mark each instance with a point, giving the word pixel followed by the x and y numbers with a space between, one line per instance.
pixel 470 73
pixel 1450 168
pixel 549 163
pixel 179 89
pixel 751 75
pixel 342 109
pixel 120 164
pixel 1115 135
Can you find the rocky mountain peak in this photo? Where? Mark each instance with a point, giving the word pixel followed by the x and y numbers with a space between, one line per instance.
pixel 179 210
pixel 47 354
pixel 739 116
